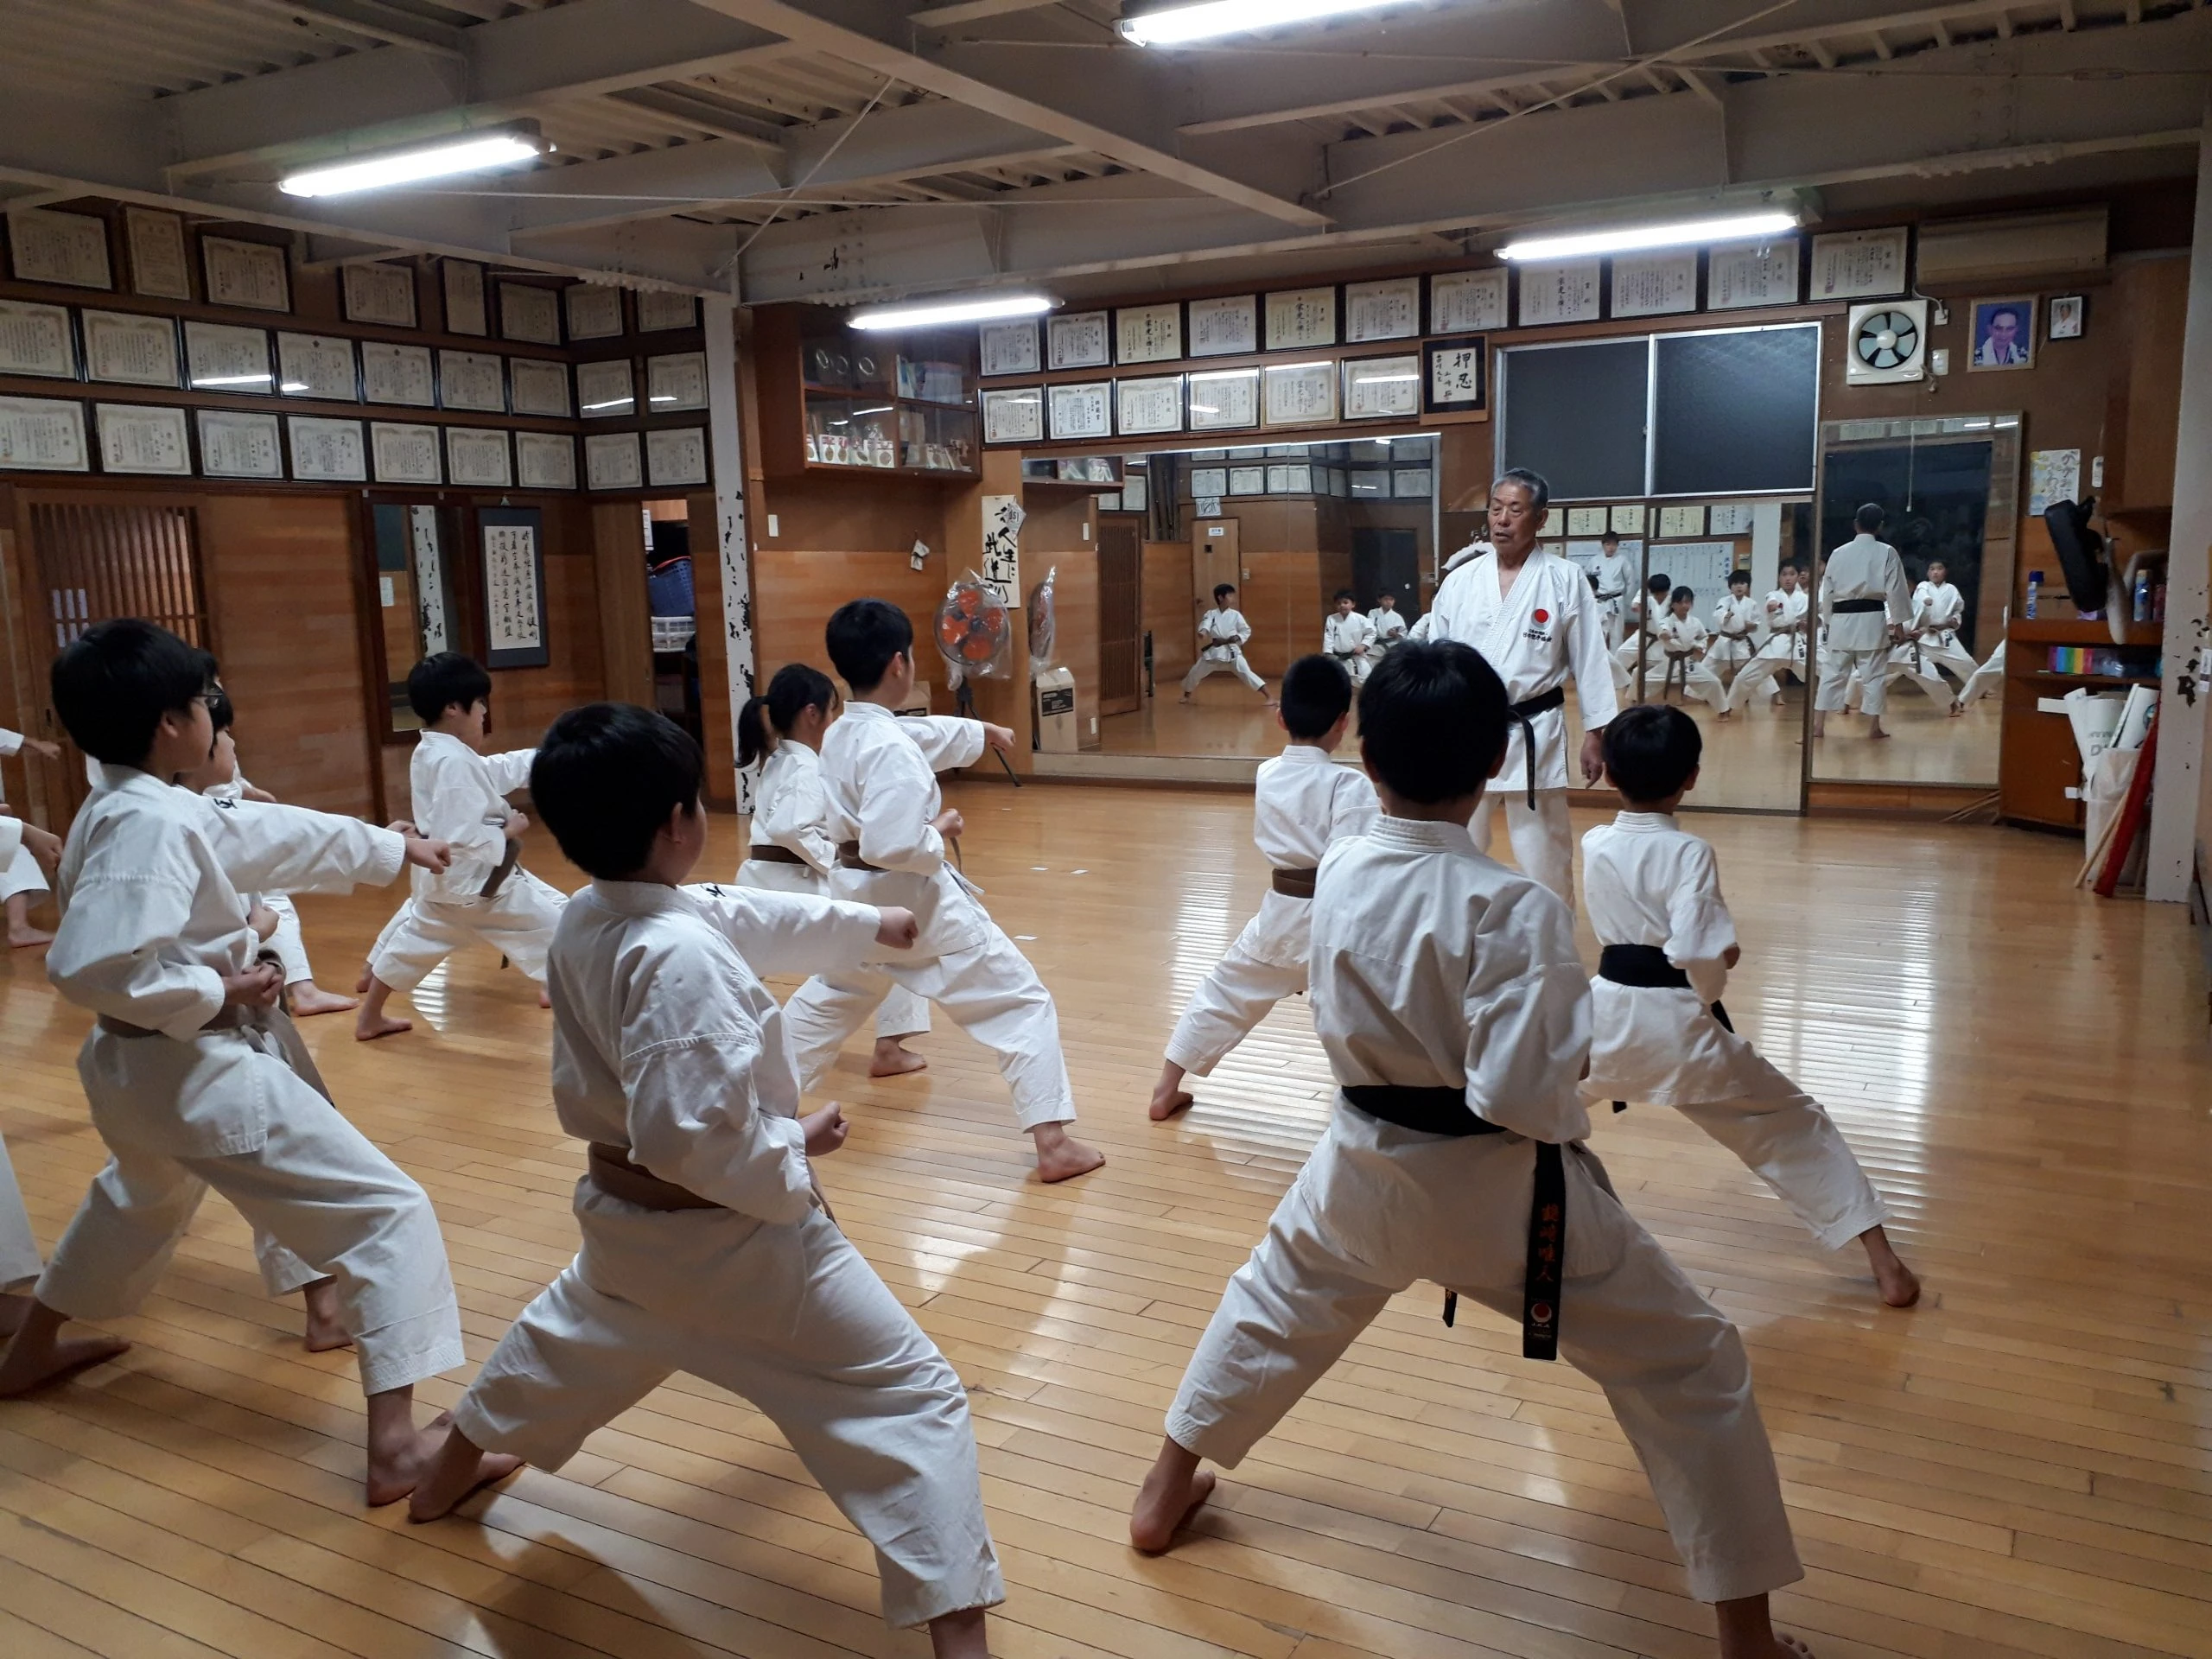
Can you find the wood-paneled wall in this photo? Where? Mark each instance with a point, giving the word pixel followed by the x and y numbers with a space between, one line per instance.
pixel 1169 617
pixel 1061 535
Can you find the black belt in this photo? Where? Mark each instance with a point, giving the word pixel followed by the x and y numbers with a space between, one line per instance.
pixel 497 878
pixel 1444 1111
pixel 1858 606
pixel 1645 968
pixel 1526 712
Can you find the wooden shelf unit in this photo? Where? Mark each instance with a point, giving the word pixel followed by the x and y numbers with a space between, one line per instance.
pixel 2038 760
pixel 861 409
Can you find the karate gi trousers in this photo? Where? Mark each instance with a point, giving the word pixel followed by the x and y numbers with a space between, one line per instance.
pixel 19 1257
pixel 1924 665
pixel 1266 964
pixel 517 922
pixel 21 874
pixel 1378 1207
pixel 790 1317
pixel 1762 672
pixel 903 1014
pixel 290 947
pixel 1693 679
pixel 1232 662
pixel 315 1187
pixel 1542 837
pixel 1844 670
pixel 1985 679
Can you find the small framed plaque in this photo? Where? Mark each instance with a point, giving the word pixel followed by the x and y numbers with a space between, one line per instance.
pixel 676 382
pixel 1013 415
pixel 254 274
pixel 1301 318
pixel 35 339
pixel 462 283
pixel 398 374
pixel 380 293
pixel 675 455
pixel 613 460
pixel 1011 348
pixel 221 358
pixel 1148 334
pixel 42 435
pixel 1300 394
pixel 1467 301
pixel 129 348
pixel 1226 328
pixel 529 312
pixel 1384 310
pixel 1382 388
pixel 538 386
pixel 68 249
pixel 1152 405
pixel 406 455
pixel 1223 400
pixel 594 311
pixel 472 380
pixel 1457 374
pixel 1080 340
pixel 477 458
pixel 141 438
pixel 1083 408
pixel 659 311
pixel 239 443
pixel 160 269
pixel 327 451
pixel 604 391
pixel 317 366
pixel 545 461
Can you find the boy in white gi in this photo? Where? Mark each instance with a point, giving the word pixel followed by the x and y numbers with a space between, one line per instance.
pixel 1349 637
pixel 1455 1019
pixel 886 817
pixel 459 795
pixel 1781 651
pixel 1932 642
pixel 19 1256
pixel 1530 612
pixel 184 1079
pixel 1735 624
pixel 1639 656
pixel 1390 627
pixel 20 879
pixel 1222 633
pixel 789 849
pixel 1658 1031
pixel 1983 680
pixel 1864 607
pixel 1683 644
pixel 1303 801
pixel 705 1247
pixel 1609 583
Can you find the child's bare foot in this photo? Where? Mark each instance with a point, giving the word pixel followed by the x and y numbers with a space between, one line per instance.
pixel 892 1059
pixel 544 998
pixel 400 1455
pixel 39 1353
pixel 372 1023
pixel 23 939
pixel 1060 1156
pixel 326 1323
pixel 309 998
pixel 960 1636
pixel 1876 730
pixel 1168 1095
pixel 460 1468
pixel 1747 1632
pixel 1172 1494
pixel 1899 1285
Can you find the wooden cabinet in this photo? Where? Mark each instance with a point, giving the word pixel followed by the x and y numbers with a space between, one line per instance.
pixel 2143 408
pixel 835 399
pixel 2038 760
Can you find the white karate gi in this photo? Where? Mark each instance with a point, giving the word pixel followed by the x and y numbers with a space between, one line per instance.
pixel 1350 640
pixel 19 1257
pixel 152 918
pixel 1426 628
pixel 1936 613
pixel 19 871
pixel 1638 651
pixel 291 946
pixel 792 810
pixel 1985 679
pixel 1613 573
pixel 460 797
pixel 1857 651
pixel 1736 624
pixel 1435 967
pixel 1649 881
pixel 666 1045
pixel 1783 650
pixel 1389 626
pixel 1302 801
pixel 1223 634
pixel 1682 639
pixel 1543 628
pixel 883 793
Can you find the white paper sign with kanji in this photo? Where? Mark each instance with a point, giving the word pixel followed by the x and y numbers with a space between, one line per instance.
pixel 511 587
pixel 1001 561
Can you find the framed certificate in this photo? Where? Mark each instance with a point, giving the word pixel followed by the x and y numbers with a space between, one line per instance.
pixel 380 293
pixel 325 451
pixel 1561 292
pixel 1224 327
pixel 1209 480
pixel 1148 405
pixel 317 366
pixel 1011 348
pixel 1013 415
pixel 1384 310
pixel 42 435
pixel 35 339
pixel 1859 265
pixel 1467 301
pixel 70 249
pixel 398 374
pixel 675 455
pixel 676 382
pixel 1457 374
pixel 476 457
pixel 221 358
pixel 255 275
pixel 1082 409
pixel 1655 284
pixel 1079 340
pixel 613 460
pixel 1300 394
pixel 1382 388
pixel 1588 521
pixel 1676 523
pixel 239 443
pixel 405 454
pixel 1301 318
pixel 1753 273
pixel 472 380
pixel 659 311
pixel 604 391
pixel 545 461
pixel 594 311
pixel 142 438
pixel 159 266
pixel 1729 518
pixel 460 283
pixel 1412 483
pixel 131 348
pixel 539 387
pixel 1223 400
pixel 1148 334
pixel 1248 480
pixel 1627 521
pixel 529 312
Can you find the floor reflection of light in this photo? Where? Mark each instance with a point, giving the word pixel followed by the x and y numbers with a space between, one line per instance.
pixel 934 1266
pixel 433 1000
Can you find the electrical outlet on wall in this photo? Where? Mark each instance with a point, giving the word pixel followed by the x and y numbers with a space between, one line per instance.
pixel 1941 313
pixel 1939 360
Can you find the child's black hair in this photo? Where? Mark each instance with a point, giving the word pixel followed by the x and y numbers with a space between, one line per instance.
pixel 1344 594
pixel 1432 721
pixel 796 687
pixel 1651 749
pixel 1613 536
pixel 113 684
pixel 1681 593
pixel 443 679
pixel 1791 565
pixel 1660 583
pixel 1316 695
pixel 865 636
pixel 1736 577
pixel 607 778
pixel 1222 590
pixel 222 715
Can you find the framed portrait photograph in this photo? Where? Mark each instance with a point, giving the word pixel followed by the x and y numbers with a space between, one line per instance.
pixel 2068 313
pixel 2004 333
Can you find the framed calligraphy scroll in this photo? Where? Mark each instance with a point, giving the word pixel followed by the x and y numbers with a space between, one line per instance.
pixel 511 541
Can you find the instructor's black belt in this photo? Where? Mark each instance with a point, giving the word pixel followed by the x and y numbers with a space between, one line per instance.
pixel 1543 703
pixel 1858 606
pixel 1444 1111
pixel 1645 968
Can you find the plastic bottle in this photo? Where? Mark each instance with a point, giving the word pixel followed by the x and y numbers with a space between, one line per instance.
pixel 2035 592
pixel 2142 599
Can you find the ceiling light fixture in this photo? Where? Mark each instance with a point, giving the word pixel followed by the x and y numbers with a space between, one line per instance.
pixel 1681 233
pixel 1206 20
pixel 930 314
pixel 474 153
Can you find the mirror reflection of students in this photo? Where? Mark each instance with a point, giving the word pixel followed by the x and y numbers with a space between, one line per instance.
pixel 1781 651
pixel 1932 643
pixel 1864 605
pixel 1389 624
pixel 1638 654
pixel 1349 637
pixel 1222 633
pixel 1736 624
pixel 1683 644
pixel 1610 582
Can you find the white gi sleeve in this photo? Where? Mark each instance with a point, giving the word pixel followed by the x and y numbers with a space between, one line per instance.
pixel 106 955
pixel 893 833
pixel 264 847
pixel 946 741
pixel 1528 1007
pixel 454 813
pixel 1896 593
pixel 789 932
pixel 510 770
pixel 1827 598
pixel 1700 929
pixel 11 742
pixel 1421 630
pixel 1353 809
pixel 1243 628
pixel 796 820
pixel 1586 655
pixel 694 1119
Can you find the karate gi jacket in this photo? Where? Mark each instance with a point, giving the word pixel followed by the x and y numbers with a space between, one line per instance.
pixel 1303 803
pixel 460 797
pixel 883 793
pixel 1864 568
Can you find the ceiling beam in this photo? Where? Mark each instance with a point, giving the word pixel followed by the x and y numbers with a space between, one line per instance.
pixel 364 20
pixel 970 11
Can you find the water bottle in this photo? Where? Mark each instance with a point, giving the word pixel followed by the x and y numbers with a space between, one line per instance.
pixel 2035 592
pixel 2143 598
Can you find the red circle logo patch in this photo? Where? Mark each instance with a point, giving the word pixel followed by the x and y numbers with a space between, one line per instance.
pixel 1543 616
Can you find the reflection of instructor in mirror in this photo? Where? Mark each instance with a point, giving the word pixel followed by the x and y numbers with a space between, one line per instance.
pixel 1531 614
pixel 1864 604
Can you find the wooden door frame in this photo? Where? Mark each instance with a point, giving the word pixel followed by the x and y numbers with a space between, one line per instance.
pixel 1135 703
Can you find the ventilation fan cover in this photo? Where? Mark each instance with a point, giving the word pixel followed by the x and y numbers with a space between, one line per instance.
pixel 1886 342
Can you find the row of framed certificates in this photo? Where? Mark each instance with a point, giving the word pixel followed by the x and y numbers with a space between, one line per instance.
pixel 50 435
pixel 1447 376
pixel 136 348
pixel 1302 478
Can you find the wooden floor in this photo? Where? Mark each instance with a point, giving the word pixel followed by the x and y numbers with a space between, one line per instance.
pixel 2021 1467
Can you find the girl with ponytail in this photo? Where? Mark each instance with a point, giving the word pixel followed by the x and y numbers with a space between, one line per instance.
pixel 780 732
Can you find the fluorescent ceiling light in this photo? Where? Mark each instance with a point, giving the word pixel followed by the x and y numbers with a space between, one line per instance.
pixel 928 314
pixel 1681 233
pixel 230 380
pixel 472 155
pixel 1206 20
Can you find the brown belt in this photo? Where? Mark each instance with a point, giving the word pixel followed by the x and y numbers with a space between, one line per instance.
pixel 768 853
pixel 1294 884
pixel 617 1176
pixel 849 854
pixel 229 1017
